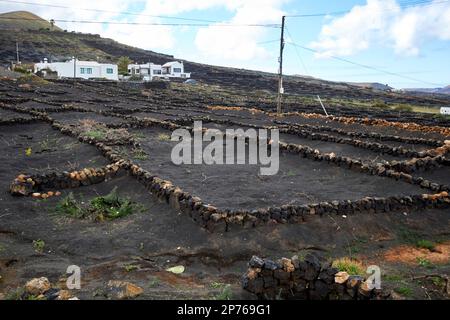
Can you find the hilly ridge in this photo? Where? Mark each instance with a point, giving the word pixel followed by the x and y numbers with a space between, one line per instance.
pixel 24 20
pixel 36 43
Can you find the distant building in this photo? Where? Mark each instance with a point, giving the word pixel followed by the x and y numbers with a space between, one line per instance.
pixel 175 69
pixel 445 110
pixel 79 69
pixel 150 71
pixel 146 71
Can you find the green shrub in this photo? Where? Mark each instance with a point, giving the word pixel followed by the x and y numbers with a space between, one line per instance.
pixel 21 70
pixel 39 245
pixel 100 208
pixel 426 244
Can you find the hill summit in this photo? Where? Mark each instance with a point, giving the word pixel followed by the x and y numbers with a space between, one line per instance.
pixel 24 20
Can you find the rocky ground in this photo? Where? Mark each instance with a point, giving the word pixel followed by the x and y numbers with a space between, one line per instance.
pixel 86 181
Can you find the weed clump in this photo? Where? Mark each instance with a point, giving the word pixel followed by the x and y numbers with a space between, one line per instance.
pixel 426 244
pixel 163 137
pixel 94 130
pixel 100 208
pixel 352 267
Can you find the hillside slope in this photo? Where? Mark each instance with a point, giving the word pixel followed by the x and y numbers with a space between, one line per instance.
pixel 24 20
pixel 445 90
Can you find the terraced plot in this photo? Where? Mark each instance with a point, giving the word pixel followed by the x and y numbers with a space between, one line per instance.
pixel 345 199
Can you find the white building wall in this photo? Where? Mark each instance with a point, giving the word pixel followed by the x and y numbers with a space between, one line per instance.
pixel 445 110
pixel 162 71
pixel 66 69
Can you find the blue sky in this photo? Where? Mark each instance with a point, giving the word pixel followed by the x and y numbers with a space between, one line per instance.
pixel 409 37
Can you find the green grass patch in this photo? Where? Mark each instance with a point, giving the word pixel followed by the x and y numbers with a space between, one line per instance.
pixel 139 154
pixel 393 278
pixel 438 281
pixel 32 79
pixel 39 245
pixel 351 266
pixel 217 285
pixel 404 291
pixel 225 294
pixel 442 116
pixel 163 137
pixel 108 207
pixel 404 108
pixel 130 267
pixel 15 294
pixel 153 283
pixel 380 105
pixel 408 236
pixel 426 244
pixel 424 262
pixel 95 134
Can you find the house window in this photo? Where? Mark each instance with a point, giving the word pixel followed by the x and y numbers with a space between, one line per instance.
pixel 89 70
pixel 156 71
pixel 82 70
pixel 137 70
pixel 177 70
pixel 109 70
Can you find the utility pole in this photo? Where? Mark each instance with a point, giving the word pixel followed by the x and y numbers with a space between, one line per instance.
pixel 74 70
pixel 280 70
pixel 17 52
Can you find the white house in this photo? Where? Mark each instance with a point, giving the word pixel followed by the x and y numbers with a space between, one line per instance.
pixel 445 110
pixel 175 69
pixel 146 71
pixel 80 69
pixel 149 71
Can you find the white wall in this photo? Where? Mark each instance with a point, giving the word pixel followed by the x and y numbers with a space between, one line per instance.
pixel 148 77
pixel 445 110
pixel 66 69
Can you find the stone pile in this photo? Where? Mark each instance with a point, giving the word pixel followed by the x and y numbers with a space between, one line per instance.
pixel 378 122
pixel 41 289
pixel 26 185
pixel 306 279
pixel 370 135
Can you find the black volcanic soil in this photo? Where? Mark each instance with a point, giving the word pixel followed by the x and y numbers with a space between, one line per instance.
pixel 73 117
pixel 50 150
pixel 299 180
pixel 161 237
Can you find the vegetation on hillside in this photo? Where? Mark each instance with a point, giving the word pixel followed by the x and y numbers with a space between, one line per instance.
pixel 23 20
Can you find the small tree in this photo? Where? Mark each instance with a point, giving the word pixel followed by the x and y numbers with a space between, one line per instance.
pixel 123 63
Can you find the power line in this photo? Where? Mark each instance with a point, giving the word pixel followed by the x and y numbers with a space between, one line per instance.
pixel 149 23
pixel 298 53
pixel 337 13
pixel 106 11
pixel 268 41
pixel 367 66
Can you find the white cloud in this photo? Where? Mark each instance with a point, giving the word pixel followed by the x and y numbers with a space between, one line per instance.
pixel 240 43
pixel 154 37
pixel 384 22
pixel 212 42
